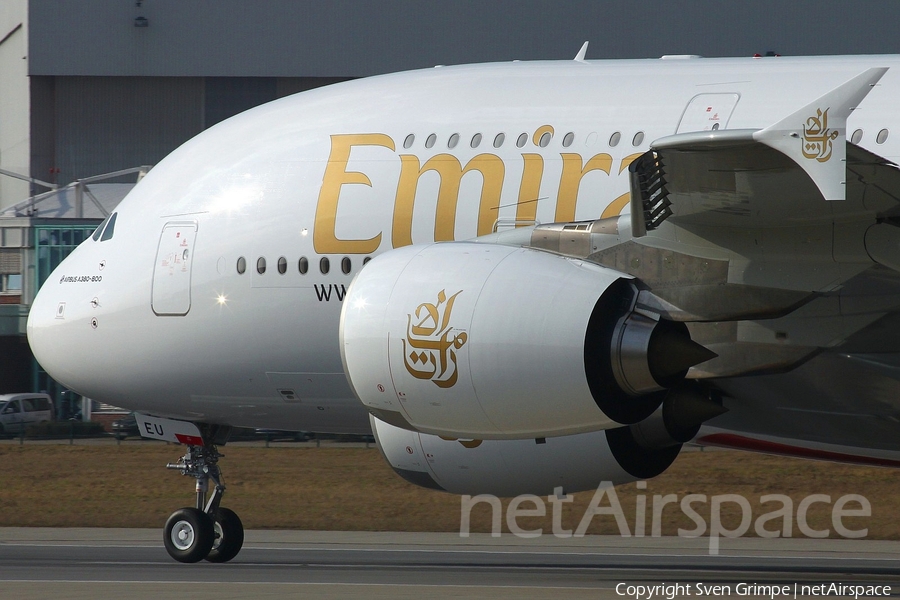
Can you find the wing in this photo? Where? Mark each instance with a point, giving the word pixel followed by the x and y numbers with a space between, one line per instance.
pixel 765 178
pixel 778 248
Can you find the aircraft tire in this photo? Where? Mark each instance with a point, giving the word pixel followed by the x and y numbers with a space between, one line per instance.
pixel 229 536
pixel 189 535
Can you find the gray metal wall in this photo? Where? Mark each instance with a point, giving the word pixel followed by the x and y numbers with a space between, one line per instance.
pixel 84 126
pixel 108 123
pixel 351 38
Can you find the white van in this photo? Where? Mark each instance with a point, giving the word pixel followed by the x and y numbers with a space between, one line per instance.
pixel 18 411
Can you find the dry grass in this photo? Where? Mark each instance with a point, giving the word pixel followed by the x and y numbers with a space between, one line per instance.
pixel 353 489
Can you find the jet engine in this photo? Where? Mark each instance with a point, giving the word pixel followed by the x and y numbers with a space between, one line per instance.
pixel 472 340
pixel 512 467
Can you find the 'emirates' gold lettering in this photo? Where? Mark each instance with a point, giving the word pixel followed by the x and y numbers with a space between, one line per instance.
pixel 451 171
pixel 570 181
pixel 530 188
pixel 325 239
pixel 615 207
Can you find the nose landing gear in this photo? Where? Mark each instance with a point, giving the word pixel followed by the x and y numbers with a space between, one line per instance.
pixel 206 530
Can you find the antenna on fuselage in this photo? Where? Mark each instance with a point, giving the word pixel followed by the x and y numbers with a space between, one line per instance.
pixel 581 53
pixel 518 203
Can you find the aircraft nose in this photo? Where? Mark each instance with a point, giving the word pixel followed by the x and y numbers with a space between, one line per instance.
pixel 60 323
pixel 44 329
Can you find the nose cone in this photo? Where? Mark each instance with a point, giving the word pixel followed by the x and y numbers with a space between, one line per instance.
pixel 62 320
pixel 48 341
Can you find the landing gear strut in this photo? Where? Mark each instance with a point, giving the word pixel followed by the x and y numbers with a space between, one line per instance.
pixel 205 530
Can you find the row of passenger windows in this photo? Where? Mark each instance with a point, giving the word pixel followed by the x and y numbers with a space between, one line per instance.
pixel 302 265
pixel 500 139
pixel 881 138
pixel 569 139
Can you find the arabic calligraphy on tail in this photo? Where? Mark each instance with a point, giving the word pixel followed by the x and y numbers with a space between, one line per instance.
pixel 429 349
pixel 818 140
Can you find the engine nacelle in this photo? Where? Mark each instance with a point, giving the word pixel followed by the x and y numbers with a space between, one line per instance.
pixel 512 467
pixel 473 340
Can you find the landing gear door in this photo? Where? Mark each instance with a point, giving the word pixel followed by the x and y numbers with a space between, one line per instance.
pixel 171 295
pixel 169 430
pixel 708 112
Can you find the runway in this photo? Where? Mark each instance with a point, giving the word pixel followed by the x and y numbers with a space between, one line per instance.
pixel 131 563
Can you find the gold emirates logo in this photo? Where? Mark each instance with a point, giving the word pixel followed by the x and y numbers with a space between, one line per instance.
pixel 818 140
pixel 429 350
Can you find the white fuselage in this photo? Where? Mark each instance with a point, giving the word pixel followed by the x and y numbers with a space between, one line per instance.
pixel 353 170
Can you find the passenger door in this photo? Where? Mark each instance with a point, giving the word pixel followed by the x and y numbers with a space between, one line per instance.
pixel 171 294
pixel 708 112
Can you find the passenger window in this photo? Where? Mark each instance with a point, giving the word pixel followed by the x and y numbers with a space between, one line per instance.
pixel 881 137
pixel 523 139
pixel 638 139
pixel 261 265
pixel 498 141
pixel 345 265
pixel 408 142
pixel 26 404
pixel 324 265
pixel 241 265
pixel 567 141
pixel 857 136
pixel 476 140
pixel 545 139
pixel 110 228
pixel 303 265
pixel 614 139
pixel 453 141
pixel 282 265
pixel 430 140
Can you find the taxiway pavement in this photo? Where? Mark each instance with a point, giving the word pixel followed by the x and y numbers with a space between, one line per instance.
pixel 45 563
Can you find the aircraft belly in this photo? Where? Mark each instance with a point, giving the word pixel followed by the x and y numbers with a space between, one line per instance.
pixel 332 415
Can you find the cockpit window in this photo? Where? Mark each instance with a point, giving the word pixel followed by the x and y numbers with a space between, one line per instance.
pixel 99 230
pixel 110 228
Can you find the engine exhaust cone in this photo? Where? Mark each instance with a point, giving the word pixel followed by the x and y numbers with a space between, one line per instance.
pixel 678 419
pixel 672 352
pixel 684 409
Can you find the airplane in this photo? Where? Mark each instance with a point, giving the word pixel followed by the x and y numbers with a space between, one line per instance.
pixel 520 276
